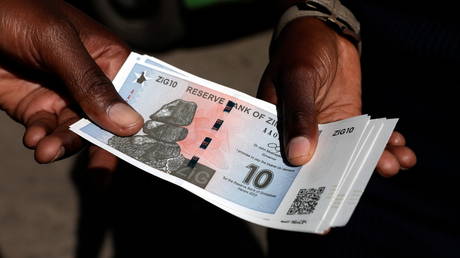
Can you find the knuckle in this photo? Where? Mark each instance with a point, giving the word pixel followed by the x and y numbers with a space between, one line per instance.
pixel 304 115
pixel 52 37
pixel 56 30
pixel 302 120
pixel 120 49
pixel 301 83
pixel 305 74
pixel 95 87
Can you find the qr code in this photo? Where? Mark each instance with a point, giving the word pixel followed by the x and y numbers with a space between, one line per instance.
pixel 306 201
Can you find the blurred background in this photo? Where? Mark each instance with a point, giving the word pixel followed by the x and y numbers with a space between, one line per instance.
pixel 225 41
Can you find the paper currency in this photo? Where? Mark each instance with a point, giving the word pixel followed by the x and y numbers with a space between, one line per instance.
pixel 223 145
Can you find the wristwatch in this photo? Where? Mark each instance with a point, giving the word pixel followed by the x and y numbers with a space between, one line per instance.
pixel 332 12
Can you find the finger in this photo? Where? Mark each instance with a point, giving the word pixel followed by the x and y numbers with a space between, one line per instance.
pixel 397 139
pixel 327 231
pixel 98 168
pixel 56 146
pixel 65 55
pixel 388 164
pixel 61 142
pixel 101 159
pixel 298 115
pixel 405 156
pixel 38 126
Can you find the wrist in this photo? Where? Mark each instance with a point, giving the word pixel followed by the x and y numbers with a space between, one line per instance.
pixel 331 12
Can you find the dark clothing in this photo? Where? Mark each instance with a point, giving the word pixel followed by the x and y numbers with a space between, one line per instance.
pixel 149 217
pixel 410 63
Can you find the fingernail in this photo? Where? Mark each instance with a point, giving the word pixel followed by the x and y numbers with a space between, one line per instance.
pixel 59 154
pixel 298 149
pixel 123 115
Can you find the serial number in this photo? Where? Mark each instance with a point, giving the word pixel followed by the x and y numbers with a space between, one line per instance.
pixel 271 132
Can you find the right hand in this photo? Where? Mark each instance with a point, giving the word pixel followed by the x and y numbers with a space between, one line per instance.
pixel 53 56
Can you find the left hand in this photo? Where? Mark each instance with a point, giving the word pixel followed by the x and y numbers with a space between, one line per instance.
pixel 314 76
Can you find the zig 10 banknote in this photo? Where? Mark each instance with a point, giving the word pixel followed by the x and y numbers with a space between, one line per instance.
pixel 223 145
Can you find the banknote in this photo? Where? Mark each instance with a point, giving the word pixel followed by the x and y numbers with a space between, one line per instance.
pixel 223 146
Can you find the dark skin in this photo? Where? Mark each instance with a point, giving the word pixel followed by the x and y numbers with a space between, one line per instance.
pixel 314 76
pixel 75 59
pixel 53 40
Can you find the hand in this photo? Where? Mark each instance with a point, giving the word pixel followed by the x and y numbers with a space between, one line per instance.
pixel 55 61
pixel 314 76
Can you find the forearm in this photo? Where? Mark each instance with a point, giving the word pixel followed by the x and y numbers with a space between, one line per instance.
pixel 332 12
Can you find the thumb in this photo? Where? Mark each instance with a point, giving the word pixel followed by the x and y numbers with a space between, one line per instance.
pixel 298 116
pixel 66 56
pixel 298 124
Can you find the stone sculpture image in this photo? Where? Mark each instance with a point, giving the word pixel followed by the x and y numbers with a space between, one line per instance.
pixel 158 148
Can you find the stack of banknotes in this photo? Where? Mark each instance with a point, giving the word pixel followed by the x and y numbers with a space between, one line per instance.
pixel 223 146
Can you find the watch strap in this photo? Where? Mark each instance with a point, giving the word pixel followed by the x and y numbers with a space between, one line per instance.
pixel 331 12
